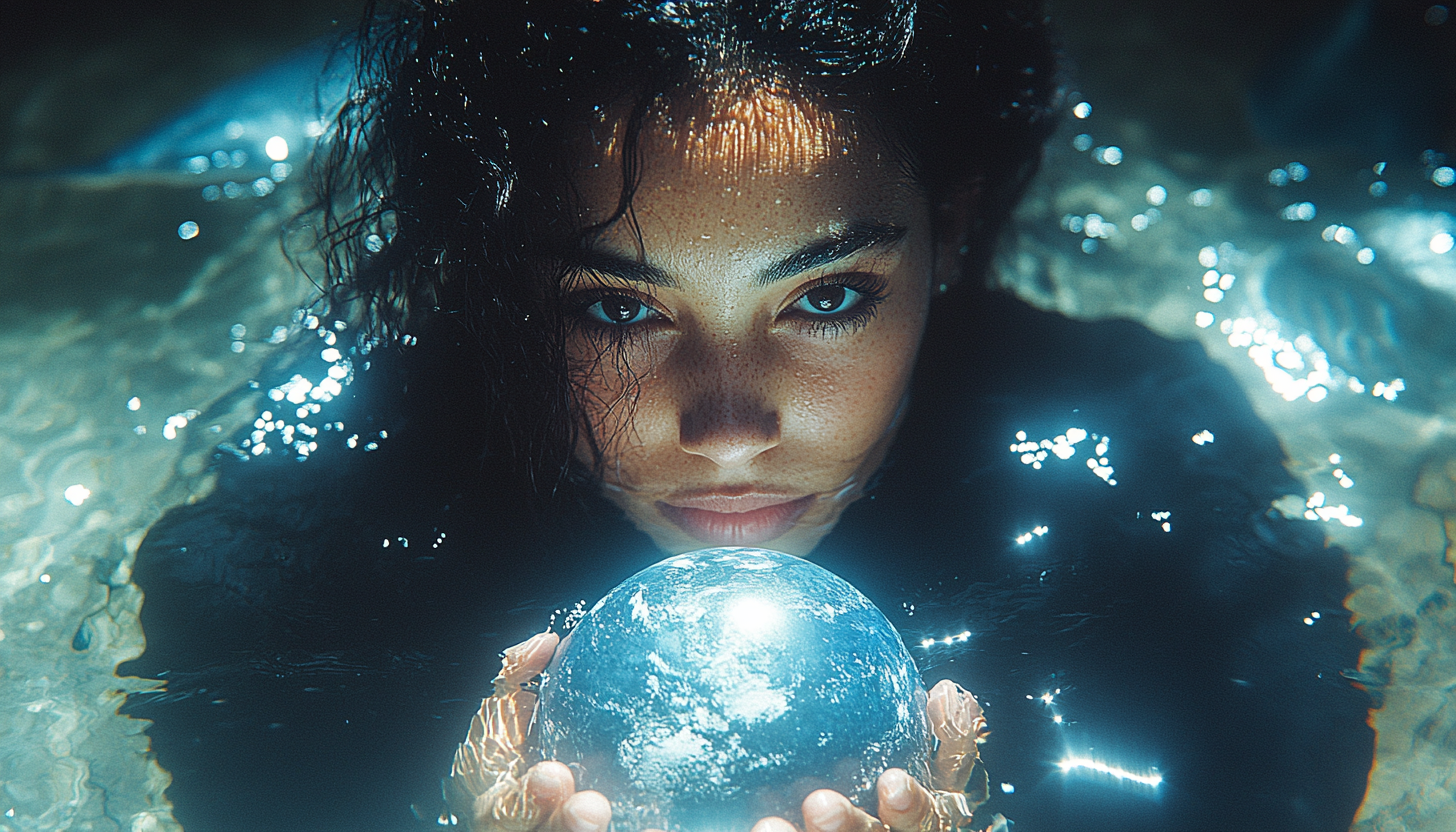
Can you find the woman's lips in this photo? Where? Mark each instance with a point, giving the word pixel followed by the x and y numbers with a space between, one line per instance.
pixel 735 520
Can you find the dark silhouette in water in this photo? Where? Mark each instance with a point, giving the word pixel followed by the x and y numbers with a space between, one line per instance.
pixel 320 680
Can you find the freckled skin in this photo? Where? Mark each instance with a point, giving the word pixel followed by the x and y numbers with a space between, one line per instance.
pixel 732 386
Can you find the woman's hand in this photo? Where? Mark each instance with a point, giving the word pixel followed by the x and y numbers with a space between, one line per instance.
pixel 959 783
pixel 488 790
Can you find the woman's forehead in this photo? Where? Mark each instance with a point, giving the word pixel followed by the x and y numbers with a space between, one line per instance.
pixel 745 125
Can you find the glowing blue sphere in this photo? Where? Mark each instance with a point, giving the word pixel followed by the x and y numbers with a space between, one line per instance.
pixel 724 685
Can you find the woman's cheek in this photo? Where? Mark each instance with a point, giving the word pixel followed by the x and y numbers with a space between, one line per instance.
pixel 846 402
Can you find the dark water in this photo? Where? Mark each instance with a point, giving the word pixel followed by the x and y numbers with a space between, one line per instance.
pixel 318 680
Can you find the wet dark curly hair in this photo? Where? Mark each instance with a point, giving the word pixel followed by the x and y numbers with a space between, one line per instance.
pixel 446 177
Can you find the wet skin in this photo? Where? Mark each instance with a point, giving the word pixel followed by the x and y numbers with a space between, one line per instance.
pixel 742 343
pixel 743 353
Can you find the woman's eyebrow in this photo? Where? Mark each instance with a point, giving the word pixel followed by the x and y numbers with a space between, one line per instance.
pixel 855 238
pixel 625 268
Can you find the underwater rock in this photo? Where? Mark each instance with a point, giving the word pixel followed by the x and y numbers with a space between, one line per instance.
pixel 1375 321
pixel 1436 489
pixel 724 685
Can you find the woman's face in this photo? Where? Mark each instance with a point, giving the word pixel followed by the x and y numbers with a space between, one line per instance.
pixel 743 350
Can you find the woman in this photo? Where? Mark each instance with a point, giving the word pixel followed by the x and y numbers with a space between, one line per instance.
pixel 706 235
pixel 683 256
pixel 695 241
pixel 712 232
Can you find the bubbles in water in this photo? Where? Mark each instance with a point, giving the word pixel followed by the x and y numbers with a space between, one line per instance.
pixel 1278 177
pixel 211 193
pixel 1109 155
pixel 1444 177
pixel 1436 15
pixel 262 186
pixel 1442 243
pixel 1081 141
pixel 374 243
pixel 1365 256
pixel 1082 110
pixel 280 171
pixel 1208 257
pixel 1156 195
pixel 234 130
pixel 1201 198
pixel 276 148
pixel 1342 234
pixel 220 159
pixel 1378 188
pixel 1298 212
pixel 233 190
pixel 1203 319
pixel 198 164
pixel 1095 226
pixel 188 230
pixel 133 404
pixel 1297 172
pixel 75 495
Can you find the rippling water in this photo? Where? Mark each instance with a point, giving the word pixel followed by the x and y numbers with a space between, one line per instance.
pixel 126 349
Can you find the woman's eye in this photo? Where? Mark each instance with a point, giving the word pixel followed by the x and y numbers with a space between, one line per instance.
pixel 829 299
pixel 620 310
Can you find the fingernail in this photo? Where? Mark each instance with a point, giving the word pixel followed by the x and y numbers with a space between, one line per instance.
pixel 899 795
pixel 575 822
pixel 825 811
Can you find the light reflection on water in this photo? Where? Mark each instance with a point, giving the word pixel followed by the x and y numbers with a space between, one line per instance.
pixel 111 401
pixel 1379 404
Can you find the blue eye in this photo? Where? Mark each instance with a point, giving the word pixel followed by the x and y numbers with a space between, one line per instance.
pixel 620 310
pixel 829 299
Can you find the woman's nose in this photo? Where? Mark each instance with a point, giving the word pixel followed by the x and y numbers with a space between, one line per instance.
pixel 728 426
pixel 726 409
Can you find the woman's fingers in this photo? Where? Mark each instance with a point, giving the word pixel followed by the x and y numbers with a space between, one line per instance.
pixel 958 725
pixel 907 806
pixel 551 788
pixel 829 811
pixel 548 785
pixel 773 825
pixel 525 661
pixel 586 811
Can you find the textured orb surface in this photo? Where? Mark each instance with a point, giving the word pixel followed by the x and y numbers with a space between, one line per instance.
pixel 724 685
